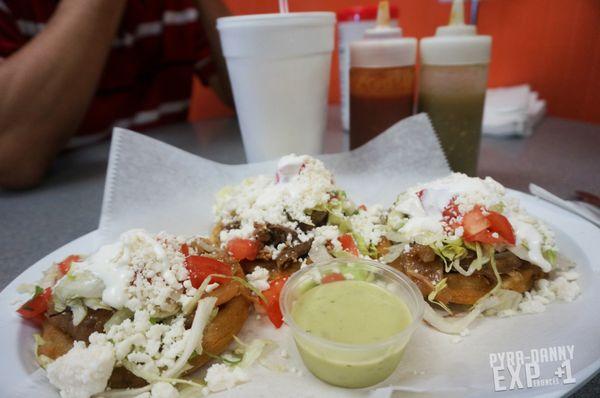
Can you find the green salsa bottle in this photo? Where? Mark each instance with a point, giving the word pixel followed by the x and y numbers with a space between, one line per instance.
pixel 453 81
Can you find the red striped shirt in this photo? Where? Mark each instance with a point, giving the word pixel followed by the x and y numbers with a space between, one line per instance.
pixel 147 77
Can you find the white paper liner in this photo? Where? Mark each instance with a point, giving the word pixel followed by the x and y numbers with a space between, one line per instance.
pixel 155 186
pixel 158 187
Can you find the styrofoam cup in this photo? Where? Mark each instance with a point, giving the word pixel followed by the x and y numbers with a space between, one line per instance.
pixel 279 67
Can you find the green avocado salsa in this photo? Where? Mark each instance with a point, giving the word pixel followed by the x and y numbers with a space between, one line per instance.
pixel 357 314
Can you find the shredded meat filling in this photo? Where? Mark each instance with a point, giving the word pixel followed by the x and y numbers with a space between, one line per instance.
pixel 426 269
pixel 93 322
pixel 274 235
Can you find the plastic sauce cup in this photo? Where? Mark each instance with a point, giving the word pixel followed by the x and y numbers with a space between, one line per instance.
pixel 343 364
pixel 279 66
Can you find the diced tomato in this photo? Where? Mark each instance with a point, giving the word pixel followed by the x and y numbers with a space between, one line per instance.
pixel 474 222
pixel 420 193
pixel 501 225
pixel 491 228
pixel 65 265
pixel 36 307
pixel 185 250
pixel 271 306
pixel 363 207
pixel 334 277
pixel 348 244
pixel 243 249
pixel 485 237
pixel 200 267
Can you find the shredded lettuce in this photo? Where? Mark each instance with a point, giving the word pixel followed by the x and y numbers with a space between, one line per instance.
pixel 117 318
pixel 508 300
pixel 229 360
pixel 251 352
pixel 393 252
pixel 193 341
pixel 79 311
pixel 364 248
pixel 80 285
pixel 476 264
pixel 189 306
pixel 340 203
pixel 550 255
pixel 455 325
pixel 450 251
pixel 123 393
pixel 361 245
pixel 441 285
pixel 490 249
pixel 27 288
pixel 498 207
pixel 96 304
pixel 139 372
pixel 342 254
pixel 42 360
pixel 340 221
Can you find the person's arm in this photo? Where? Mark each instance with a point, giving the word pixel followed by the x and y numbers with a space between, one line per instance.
pixel 47 86
pixel 210 10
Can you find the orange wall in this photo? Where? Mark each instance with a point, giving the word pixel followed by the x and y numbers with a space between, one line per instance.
pixel 554 45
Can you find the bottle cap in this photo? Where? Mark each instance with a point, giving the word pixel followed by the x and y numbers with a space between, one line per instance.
pixel 456 43
pixel 363 13
pixel 383 45
pixel 383 29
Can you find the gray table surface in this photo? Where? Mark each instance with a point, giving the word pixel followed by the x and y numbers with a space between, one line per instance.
pixel 562 156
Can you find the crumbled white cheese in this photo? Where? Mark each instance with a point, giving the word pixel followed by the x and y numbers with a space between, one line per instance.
pixel 369 224
pixel 301 183
pixel 560 285
pixel 160 390
pixel 259 278
pixel 164 390
pixel 141 272
pixel 154 348
pixel 325 233
pixel 547 291
pixel 221 377
pixel 533 304
pixel 83 371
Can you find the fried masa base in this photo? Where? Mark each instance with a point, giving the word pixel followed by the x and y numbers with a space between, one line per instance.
pixel 217 336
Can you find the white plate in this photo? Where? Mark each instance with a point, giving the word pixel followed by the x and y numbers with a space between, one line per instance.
pixel 432 358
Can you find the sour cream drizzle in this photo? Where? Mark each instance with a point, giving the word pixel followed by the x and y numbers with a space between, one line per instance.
pixel 424 205
pixel 111 264
pixel 529 244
